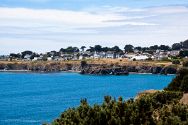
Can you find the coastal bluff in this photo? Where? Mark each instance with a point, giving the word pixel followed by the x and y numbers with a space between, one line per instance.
pixel 96 67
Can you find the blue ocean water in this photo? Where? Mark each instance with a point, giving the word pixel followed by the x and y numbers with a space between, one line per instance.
pixel 34 98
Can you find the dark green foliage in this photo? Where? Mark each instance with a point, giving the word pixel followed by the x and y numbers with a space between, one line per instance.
pixel 184 84
pixel 185 44
pixel 98 48
pixel 138 48
pixel 134 59
pixel 183 53
pixel 128 48
pixel 82 48
pixel 144 110
pixel 173 114
pixel 185 63
pixel 176 62
pixel 83 63
pixel 13 55
pixel 164 47
pixel 69 49
pixel 176 46
pixel 180 83
pixel 116 49
pixel 26 53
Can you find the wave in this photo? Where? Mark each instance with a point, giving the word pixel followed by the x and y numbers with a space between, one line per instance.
pixel 21 120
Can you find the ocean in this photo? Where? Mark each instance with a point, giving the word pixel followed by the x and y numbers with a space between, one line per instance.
pixel 36 98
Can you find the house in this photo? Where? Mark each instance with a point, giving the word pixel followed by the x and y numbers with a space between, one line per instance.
pixel 37 59
pixel 110 55
pixel 27 57
pixel 98 55
pixel 161 56
pixel 140 57
pixel 174 53
pixel 57 58
pixel 65 57
pixel 49 58
pixel 4 58
pixel 129 55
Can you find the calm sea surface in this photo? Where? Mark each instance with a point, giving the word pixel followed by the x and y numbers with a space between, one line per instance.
pixel 33 98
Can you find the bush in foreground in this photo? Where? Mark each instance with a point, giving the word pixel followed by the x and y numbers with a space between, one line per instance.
pixel 158 108
pixel 180 82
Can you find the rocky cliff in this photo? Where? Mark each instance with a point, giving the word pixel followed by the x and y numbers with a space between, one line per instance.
pixel 87 68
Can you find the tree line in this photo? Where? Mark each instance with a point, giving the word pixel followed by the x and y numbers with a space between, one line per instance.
pixel 98 48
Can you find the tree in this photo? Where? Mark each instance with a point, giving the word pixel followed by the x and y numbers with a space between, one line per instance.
pixel 91 49
pixel 155 47
pixel 13 55
pixel 128 48
pixel 183 53
pixel 98 48
pixel 185 44
pixel 69 49
pixel 75 49
pixel 144 49
pixel 34 55
pixel 82 48
pixel 106 49
pixel 116 49
pixel 164 47
pixel 45 58
pixel 138 48
pixel 176 46
pixel 176 62
pixel 26 53
pixel 83 64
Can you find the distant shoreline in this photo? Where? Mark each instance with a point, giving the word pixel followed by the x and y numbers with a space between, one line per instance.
pixel 69 71
pixel 92 67
pixel 16 71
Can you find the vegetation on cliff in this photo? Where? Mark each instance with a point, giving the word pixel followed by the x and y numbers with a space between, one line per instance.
pixel 157 108
pixel 180 83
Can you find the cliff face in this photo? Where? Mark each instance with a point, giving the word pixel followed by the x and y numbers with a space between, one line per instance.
pixel 39 66
pixel 124 70
pixel 89 68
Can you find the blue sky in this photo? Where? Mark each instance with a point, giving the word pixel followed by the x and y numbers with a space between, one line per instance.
pixel 43 25
pixel 79 4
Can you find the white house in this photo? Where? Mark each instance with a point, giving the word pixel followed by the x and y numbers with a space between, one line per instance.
pixel 37 59
pixel 27 57
pixel 161 56
pixel 129 56
pixel 99 55
pixel 139 57
pixel 110 55
pixel 174 53
pixel 49 58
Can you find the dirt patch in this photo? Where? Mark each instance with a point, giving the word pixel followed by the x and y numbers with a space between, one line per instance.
pixel 184 99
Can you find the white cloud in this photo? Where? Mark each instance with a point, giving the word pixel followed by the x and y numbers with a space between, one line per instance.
pixel 169 10
pixel 112 24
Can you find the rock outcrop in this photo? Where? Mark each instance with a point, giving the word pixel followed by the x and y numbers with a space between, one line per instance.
pixel 84 68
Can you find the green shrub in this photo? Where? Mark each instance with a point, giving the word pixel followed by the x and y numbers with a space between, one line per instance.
pixel 185 64
pixel 83 63
pixel 119 112
pixel 180 82
pixel 176 62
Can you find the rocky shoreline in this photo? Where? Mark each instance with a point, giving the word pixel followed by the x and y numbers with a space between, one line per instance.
pixel 94 69
pixel 125 70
